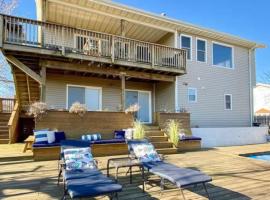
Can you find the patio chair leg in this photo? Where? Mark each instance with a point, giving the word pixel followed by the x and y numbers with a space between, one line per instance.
pixel 161 186
pixel 208 196
pixel 59 174
pixel 182 193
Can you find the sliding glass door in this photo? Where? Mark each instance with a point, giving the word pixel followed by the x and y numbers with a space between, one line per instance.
pixel 143 99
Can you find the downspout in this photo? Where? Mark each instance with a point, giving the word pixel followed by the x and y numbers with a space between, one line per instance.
pixel 250 64
pixel 176 99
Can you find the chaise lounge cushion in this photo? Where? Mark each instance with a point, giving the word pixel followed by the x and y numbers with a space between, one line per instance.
pixel 182 177
pixel 80 173
pixel 109 141
pixel 40 145
pixel 93 184
pixel 190 138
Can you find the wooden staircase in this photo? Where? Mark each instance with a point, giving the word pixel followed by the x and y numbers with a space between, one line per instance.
pixel 27 89
pixel 4 131
pixel 159 139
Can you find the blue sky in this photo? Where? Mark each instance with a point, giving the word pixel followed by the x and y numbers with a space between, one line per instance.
pixel 248 19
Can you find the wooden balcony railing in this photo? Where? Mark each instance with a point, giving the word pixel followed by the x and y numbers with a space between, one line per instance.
pixel 6 105
pixel 72 40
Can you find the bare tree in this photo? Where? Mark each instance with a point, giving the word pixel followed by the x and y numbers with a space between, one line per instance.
pixel 8 6
pixel 6 80
pixel 266 77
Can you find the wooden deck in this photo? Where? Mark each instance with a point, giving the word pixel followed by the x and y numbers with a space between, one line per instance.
pixel 234 177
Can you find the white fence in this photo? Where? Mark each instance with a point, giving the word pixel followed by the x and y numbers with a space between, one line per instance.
pixel 217 137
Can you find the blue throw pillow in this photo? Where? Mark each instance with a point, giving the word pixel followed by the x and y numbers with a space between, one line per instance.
pixel 59 135
pixel 119 134
pixel 91 137
pixel 41 137
pixel 78 159
pixel 96 137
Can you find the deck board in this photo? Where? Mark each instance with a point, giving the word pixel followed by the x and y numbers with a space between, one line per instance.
pixel 234 177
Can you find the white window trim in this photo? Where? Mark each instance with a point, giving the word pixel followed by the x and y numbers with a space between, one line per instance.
pixel 85 86
pixel 150 103
pixel 196 95
pixel 197 38
pixel 180 43
pixel 225 101
pixel 226 45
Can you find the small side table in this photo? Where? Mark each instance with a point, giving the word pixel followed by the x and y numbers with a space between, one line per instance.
pixel 28 143
pixel 125 162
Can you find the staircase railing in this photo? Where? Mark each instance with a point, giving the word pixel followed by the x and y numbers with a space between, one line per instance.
pixel 13 123
pixel 6 105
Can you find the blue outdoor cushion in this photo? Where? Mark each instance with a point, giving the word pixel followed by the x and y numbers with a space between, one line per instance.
pixel 109 141
pixel 119 134
pixel 79 158
pixel 190 138
pixel 81 173
pixel 39 145
pixel 91 186
pixel 59 135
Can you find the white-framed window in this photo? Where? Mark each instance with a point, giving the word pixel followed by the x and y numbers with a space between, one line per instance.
pixel 201 50
pixel 227 101
pixel 186 44
pixel 192 94
pixel 223 55
pixel 90 96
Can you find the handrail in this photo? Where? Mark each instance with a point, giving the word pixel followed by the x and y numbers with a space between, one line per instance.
pixel 13 123
pixel 67 39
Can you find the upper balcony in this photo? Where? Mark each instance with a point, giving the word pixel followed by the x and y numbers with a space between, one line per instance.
pixel 31 36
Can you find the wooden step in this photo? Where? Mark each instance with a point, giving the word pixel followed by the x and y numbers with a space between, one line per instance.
pixel 162 145
pixel 3 123
pixel 167 150
pixel 151 127
pixel 154 133
pixel 3 131
pixel 158 138
pixel 4 141
pixel 4 136
pixel 3 127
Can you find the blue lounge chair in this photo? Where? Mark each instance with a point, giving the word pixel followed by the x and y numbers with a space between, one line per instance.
pixel 181 177
pixel 67 144
pixel 87 182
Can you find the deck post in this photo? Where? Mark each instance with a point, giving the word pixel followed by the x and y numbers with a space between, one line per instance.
pixel 43 85
pixel 1 31
pixel 123 88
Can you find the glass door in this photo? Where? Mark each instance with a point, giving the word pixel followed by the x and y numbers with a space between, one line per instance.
pixel 143 99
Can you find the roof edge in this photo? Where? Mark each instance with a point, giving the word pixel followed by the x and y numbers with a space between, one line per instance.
pixel 251 43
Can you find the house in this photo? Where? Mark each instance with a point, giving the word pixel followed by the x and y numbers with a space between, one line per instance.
pixel 262 99
pixel 110 56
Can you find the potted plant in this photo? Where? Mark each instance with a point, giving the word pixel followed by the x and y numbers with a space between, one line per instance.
pixel 139 132
pixel 78 109
pixel 173 129
pixel 37 110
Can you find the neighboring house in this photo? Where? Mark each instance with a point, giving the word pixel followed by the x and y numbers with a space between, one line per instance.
pixel 262 99
pixel 109 56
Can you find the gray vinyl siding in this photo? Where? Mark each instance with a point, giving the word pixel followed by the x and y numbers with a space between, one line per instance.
pixel 212 83
pixel 165 97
